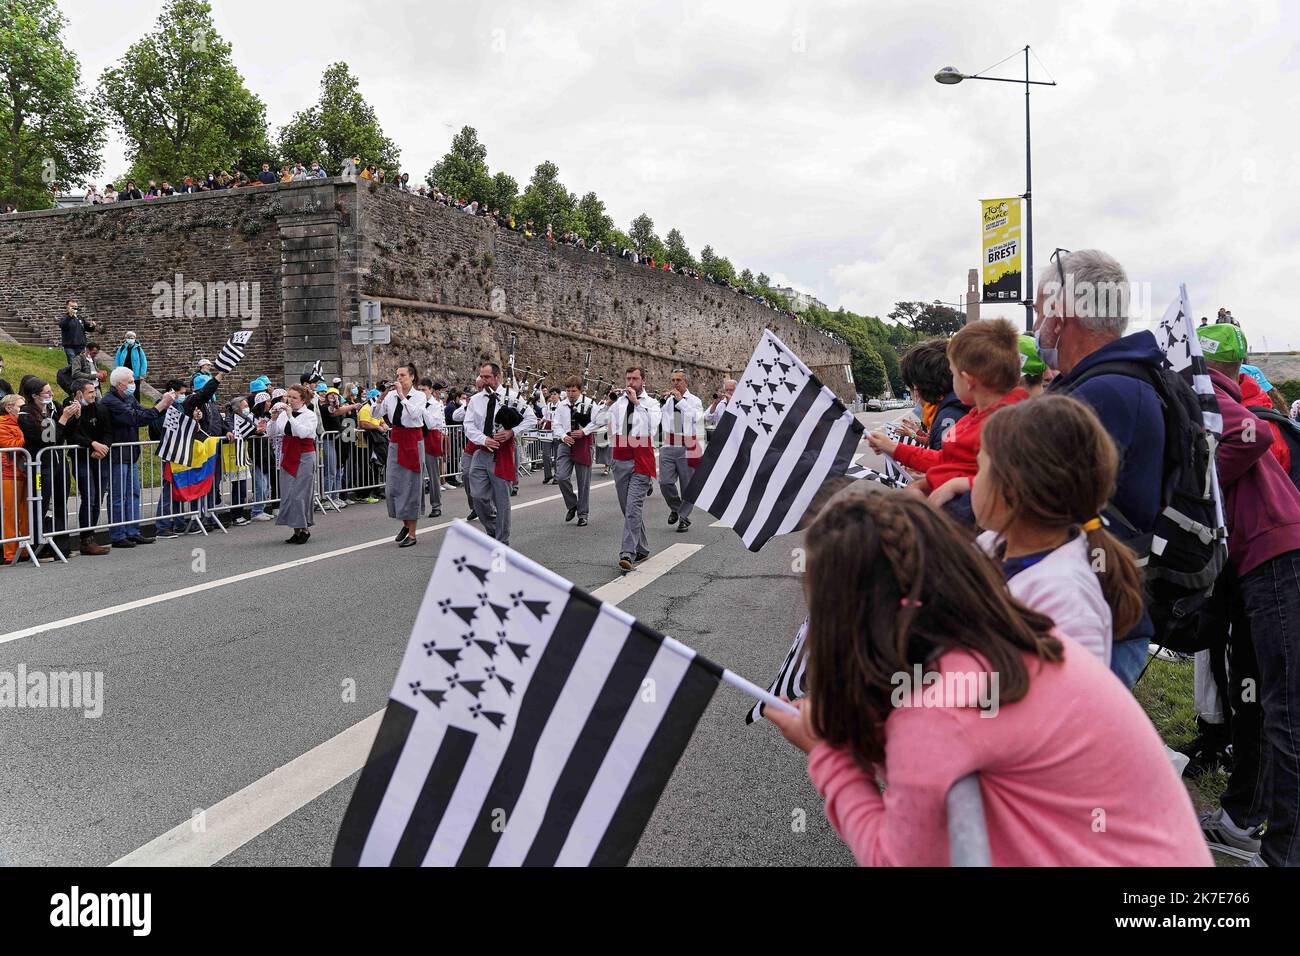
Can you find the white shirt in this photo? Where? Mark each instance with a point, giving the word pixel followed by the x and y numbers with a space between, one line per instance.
pixel 692 416
pixel 645 418
pixel 477 412
pixel 302 425
pixel 435 415
pixel 412 408
pixel 715 416
pixel 562 422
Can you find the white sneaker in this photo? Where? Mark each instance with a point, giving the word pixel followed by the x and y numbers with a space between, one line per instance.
pixel 263 517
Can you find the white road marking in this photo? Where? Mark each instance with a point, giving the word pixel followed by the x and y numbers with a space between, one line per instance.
pixel 236 578
pixel 243 816
pixel 719 524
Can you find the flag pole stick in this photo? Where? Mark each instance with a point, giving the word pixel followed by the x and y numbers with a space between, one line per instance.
pixel 736 681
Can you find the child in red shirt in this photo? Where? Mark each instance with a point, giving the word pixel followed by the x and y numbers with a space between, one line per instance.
pixel 985 362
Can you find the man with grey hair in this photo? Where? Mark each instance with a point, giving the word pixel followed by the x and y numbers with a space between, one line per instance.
pixel 128 417
pixel 1081 316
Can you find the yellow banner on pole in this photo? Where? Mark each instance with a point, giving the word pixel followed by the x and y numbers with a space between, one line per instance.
pixel 1001 248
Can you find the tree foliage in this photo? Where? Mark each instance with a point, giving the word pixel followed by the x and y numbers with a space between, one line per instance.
pixel 546 200
pixel 339 126
pixel 179 102
pixel 463 172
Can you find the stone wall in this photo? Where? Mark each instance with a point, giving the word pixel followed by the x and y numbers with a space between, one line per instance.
pixel 452 287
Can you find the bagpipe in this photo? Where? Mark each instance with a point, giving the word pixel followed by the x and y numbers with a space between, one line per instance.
pixel 520 394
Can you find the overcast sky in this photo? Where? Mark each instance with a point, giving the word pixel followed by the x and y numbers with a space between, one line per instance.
pixel 810 141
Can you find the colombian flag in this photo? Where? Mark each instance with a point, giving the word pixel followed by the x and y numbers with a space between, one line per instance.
pixel 192 483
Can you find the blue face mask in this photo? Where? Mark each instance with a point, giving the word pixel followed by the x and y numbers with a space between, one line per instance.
pixel 1051 357
pixel 130 390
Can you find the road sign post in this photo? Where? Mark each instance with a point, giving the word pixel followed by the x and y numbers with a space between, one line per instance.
pixel 371 333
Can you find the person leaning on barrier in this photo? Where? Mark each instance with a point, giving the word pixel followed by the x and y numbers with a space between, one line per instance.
pixel 128 416
pixel 44 427
pixel 13 476
pixel 91 431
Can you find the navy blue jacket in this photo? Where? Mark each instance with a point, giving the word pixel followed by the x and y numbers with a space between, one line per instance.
pixel 1130 411
pixel 128 417
pixel 950 411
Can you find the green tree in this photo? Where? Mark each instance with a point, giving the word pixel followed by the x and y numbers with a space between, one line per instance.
pixel 339 126
pixel 547 201
pixel 49 137
pixel 463 172
pixel 504 193
pixel 592 222
pixel 715 266
pixel 747 279
pixel 677 252
pixel 643 233
pixel 937 319
pixel 763 281
pixel 179 102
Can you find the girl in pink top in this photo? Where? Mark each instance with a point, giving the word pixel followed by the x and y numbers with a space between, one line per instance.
pixel 922 669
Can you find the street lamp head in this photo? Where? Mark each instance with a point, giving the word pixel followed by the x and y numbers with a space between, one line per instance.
pixel 949 75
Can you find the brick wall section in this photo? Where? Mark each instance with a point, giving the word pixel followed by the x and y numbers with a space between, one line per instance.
pixel 453 288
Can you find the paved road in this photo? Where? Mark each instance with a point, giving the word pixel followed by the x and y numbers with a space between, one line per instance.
pixel 210 684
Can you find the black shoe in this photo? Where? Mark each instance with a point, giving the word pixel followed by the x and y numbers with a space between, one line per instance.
pixel 641 556
pixel 514 492
pixel 685 525
pixel 672 517
pixel 409 542
pixel 141 539
pixel 295 538
pixel 435 512
pixel 582 522
pixel 625 563
pixel 124 543
pixel 401 535
pixel 1208 750
pixel 472 516
pixel 569 515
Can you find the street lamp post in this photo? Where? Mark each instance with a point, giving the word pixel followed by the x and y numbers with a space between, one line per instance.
pixel 950 76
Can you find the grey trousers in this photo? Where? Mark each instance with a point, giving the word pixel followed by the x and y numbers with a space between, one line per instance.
pixel 549 453
pixel 675 474
pixel 632 489
pixel 433 471
pixel 491 496
pixel 466 460
pixel 566 466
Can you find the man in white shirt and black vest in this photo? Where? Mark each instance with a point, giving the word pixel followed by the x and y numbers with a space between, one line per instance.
pixel 632 421
pixel 683 429
pixel 573 425
pixel 494 422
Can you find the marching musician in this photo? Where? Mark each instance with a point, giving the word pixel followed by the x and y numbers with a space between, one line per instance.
pixel 467 453
pixel 683 425
pixel 494 421
pixel 572 425
pixel 435 436
pixel 720 403
pixel 549 448
pixel 402 411
pixel 295 427
pixel 632 421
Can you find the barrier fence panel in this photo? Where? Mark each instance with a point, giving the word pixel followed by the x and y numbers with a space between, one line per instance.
pixel 16 540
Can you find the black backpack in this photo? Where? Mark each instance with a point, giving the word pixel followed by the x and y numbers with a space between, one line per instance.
pixel 1290 434
pixel 1183 554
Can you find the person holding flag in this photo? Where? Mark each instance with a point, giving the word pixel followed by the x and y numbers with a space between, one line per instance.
pixel 632 421
pixel 295 427
pixel 401 410
pixel 191 476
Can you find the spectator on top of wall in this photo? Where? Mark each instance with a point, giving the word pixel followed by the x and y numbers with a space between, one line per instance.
pixel 317 171
pixel 266 177
pixel 132 191
pixel 92 195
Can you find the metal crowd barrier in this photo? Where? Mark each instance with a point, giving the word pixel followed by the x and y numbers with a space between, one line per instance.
pixel 968 837
pixel 16 522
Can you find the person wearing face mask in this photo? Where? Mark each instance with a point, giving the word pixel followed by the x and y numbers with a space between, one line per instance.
pixel 1081 317
pixel 44 426
pixel 128 417
pixel 130 354
pixel 91 430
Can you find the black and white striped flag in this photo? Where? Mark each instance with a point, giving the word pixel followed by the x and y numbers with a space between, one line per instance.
pixel 177 443
pixel 791 680
pixel 244 425
pixel 232 353
pixel 783 435
pixel 317 373
pixel 1177 337
pixel 529 724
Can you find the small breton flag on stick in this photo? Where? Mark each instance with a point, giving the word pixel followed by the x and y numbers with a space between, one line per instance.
pixel 177 444
pixel 791 680
pixel 530 723
pixel 232 353
pixel 784 434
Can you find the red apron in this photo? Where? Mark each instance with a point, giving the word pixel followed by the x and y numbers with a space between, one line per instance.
pixel 637 449
pixel 291 451
pixel 433 443
pixel 407 441
pixel 580 450
pixel 504 458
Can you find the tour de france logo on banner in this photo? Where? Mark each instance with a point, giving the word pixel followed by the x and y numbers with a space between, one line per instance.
pixel 1001 249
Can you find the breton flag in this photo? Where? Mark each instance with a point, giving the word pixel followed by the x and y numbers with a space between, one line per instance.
pixel 791 680
pixel 529 724
pixel 1177 337
pixel 783 435
pixel 177 444
pixel 895 474
pixel 245 425
pixel 232 353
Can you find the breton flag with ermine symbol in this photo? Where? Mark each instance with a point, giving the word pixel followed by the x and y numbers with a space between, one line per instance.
pixel 791 681
pixel 783 435
pixel 232 353
pixel 1182 348
pixel 177 443
pixel 530 724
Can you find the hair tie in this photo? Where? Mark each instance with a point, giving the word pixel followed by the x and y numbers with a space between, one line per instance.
pixel 908 602
pixel 1092 524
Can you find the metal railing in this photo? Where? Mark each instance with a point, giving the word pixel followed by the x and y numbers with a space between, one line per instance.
pixel 16 506
pixel 968 836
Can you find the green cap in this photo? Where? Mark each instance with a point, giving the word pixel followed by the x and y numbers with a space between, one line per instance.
pixel 1222 343
pixel 1030 363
